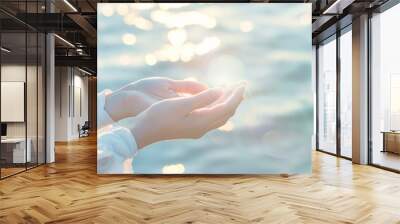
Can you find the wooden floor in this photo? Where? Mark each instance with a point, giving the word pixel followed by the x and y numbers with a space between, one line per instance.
pixel 387 159
pixel 70 191
pixel 5 172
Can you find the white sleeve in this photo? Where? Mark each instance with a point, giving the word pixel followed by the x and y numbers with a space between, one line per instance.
pixel 103 118
pixel 115 151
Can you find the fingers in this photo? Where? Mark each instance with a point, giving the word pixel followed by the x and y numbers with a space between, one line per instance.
pixel 226 94
pixel 200 100
pixel 187 86
pixel 217 124
pixel 236 98
pixel 231 103
pixel 222 112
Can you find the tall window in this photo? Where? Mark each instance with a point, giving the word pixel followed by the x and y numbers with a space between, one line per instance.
pixel 385 114
pixel 327 96
pixel 314 78
pixel 346 93
pixel 395 101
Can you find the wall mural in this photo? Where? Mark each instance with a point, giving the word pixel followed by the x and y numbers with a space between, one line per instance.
pixel 204 88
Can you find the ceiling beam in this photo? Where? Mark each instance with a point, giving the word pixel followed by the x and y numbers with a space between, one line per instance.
pixel 78 61
pixel 338 6
pixel 86 26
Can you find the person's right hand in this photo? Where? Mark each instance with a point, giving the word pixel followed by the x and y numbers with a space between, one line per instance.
pixel 186 117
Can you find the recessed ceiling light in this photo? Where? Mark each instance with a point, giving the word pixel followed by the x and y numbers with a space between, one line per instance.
pixel 70 5
pixel 338 6
pixel 5 50
pixel 65 41
pixel 84 71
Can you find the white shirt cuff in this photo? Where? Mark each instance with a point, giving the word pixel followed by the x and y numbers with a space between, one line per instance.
pixel 103 118
pixel 115 147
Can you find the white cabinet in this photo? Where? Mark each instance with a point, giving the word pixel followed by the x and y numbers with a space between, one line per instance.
pixel 18 149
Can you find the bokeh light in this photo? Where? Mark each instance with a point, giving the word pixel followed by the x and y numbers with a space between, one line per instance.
pixel 151 59
pixel 174 169
pixel 122 9
pixel 177 37
pixel 246 26
pixel 143 23
pixel 182 19
pixel 143 6
pixel 130 19
pixel 106 9
pixel 207 45
pixel 187 52
pixel 129 39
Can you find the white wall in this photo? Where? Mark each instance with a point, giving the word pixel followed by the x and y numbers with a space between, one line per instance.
pixel 70 82
pixel 79 117
pixel 61 103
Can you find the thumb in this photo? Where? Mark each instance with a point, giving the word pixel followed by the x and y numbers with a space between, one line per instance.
pixel 200 100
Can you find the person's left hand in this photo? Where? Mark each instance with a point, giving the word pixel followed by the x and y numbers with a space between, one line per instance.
pixel 186 117
pixel 137 96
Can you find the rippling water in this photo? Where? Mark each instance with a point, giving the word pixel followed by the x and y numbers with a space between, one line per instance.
pixel 268 45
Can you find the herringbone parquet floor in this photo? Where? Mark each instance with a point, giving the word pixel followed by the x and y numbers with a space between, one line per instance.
pixel 70 191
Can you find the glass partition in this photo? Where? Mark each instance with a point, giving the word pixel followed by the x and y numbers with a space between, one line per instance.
pixel 41 96
pixel 14 153
pixel 22 77
pixel 31 98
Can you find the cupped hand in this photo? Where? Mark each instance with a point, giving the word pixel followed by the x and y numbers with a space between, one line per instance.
pixel 136 97
pixel 186 117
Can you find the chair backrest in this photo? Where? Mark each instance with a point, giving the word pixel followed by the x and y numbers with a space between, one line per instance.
pixel 86 124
